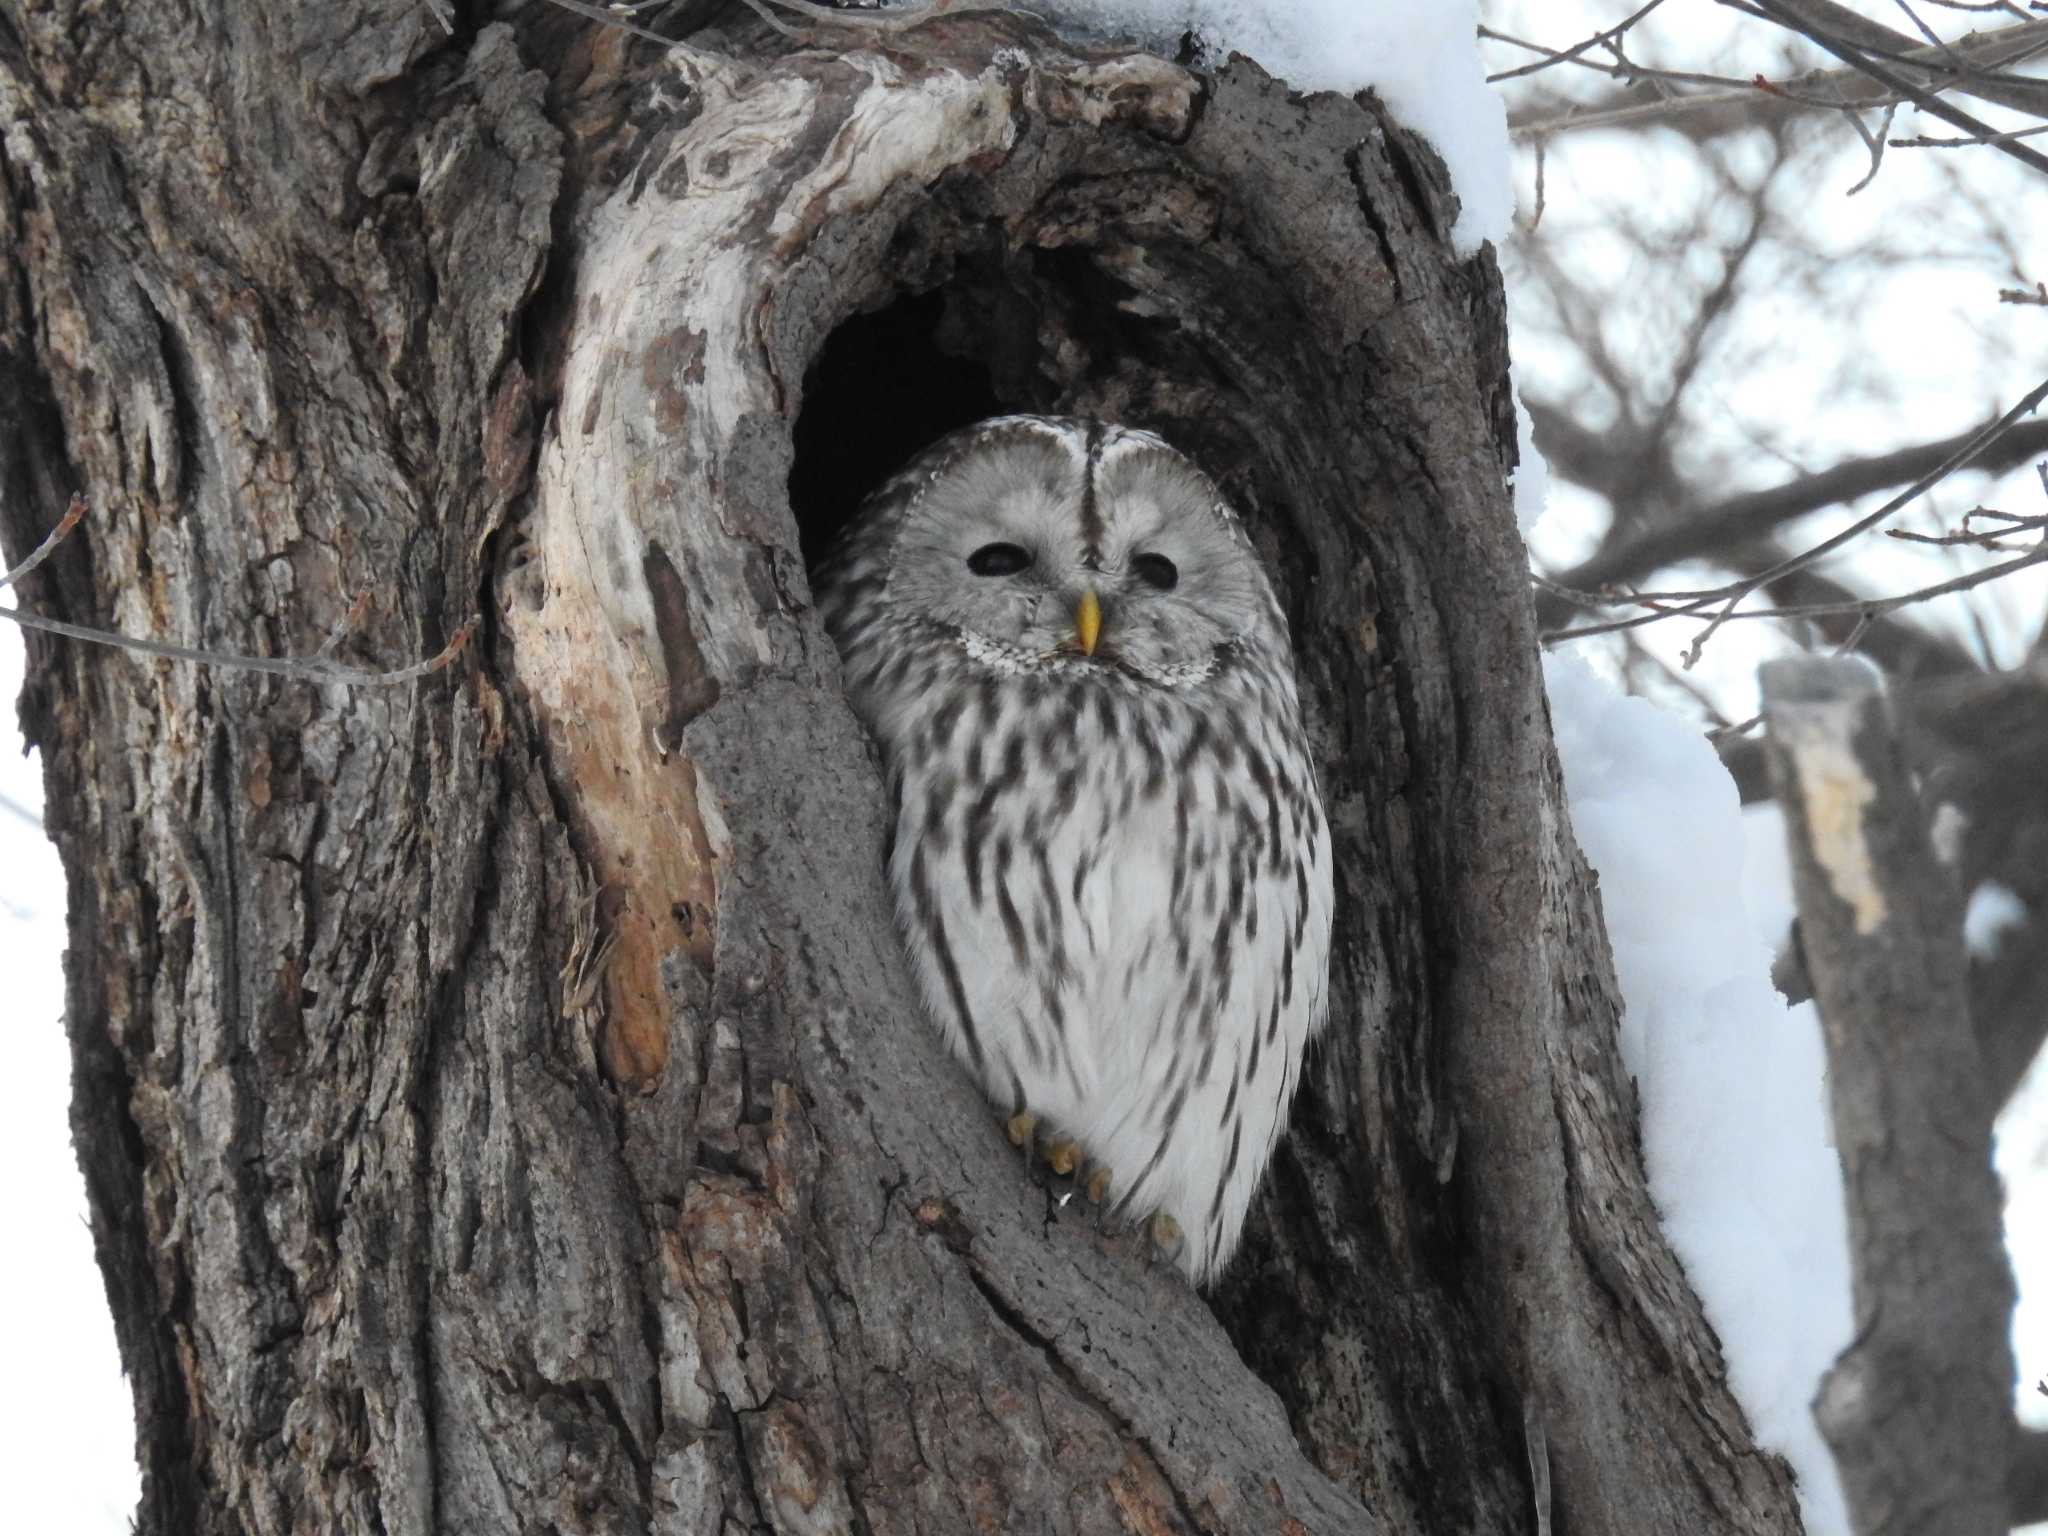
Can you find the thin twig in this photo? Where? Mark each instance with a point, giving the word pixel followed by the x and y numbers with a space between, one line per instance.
pixel 1990 540
pixel 318 668
pixel 1875 142
pixel 1960 65
pixel 1986 53
pixel 1568 54
pixel 1967 141
pixel 313 669
pixel 901 18
pixel 617 18
pixel 1863 607
pixel 1663 605
pixel 73 515
pixel 1828 545
pixel 1926 100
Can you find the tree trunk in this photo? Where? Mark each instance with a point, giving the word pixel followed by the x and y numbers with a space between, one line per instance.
pixel 500 1097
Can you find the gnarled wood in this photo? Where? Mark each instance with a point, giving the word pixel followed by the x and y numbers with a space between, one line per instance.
pixel 418 1217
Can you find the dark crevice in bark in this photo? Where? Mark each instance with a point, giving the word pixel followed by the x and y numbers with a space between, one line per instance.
pixel 883 385
pixel 692 688
pixel 750 1484
pixel 1373 217
pixel 1048 1350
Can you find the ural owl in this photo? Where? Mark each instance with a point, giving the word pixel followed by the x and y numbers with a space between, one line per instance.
pixel 1110 864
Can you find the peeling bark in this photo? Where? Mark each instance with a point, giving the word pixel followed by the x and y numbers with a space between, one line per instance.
pixel 501 1100
pixel 1917 1410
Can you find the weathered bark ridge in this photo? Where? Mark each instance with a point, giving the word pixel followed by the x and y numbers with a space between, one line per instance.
pixel 424 1210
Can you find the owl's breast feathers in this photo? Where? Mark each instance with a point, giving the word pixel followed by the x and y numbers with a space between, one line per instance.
pixel 1111 869
pixel 1117 897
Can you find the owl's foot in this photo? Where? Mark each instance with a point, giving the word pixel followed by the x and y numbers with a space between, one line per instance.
pixel 1096 1186
pixel 1167 1237
pixel 1057 1159
pixel 1063 1155
pixel 1063 1163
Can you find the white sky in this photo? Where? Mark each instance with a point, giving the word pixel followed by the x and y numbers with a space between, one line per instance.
pixel 1925 349
pixel 1879 327
pixel 66 1425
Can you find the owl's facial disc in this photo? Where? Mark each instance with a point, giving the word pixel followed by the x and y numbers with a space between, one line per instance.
pixel 1086 550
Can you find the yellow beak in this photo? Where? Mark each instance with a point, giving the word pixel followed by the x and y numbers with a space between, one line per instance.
pixel 1088 621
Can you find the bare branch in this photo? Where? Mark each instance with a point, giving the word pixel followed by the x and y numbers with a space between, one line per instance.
pixel 1988 538
pixel 73 515
pixel 1756 513
pixel 617 17
pixel 1958 66
pixel 1552 60
pixel 316 668
pixel 1664 605
pixel 1797 16
pixel 1985 54
pixel 1671 605
pixel 900 18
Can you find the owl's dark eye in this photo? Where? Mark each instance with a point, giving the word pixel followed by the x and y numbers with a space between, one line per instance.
pixel 1155 571
pixel 998 560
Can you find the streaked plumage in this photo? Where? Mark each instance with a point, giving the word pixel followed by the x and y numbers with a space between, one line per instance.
pixel 1110 862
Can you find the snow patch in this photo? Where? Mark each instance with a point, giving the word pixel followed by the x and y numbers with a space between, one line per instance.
pixel 1531 479
pixel 1993 909
pixel 1420 56
pixel 1735 1119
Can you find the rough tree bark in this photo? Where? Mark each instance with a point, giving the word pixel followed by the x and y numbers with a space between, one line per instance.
pixel 501 1101
pixel 1917 1409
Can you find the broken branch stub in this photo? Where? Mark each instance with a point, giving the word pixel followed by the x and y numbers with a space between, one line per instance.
pixel 1917 1410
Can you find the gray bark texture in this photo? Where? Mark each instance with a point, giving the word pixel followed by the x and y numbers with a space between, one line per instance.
pixel 501 1100
pixel 1917 1410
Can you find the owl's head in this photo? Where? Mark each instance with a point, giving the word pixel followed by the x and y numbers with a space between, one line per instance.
pixel 1052 541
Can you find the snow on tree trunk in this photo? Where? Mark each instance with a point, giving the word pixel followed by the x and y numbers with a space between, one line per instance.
pixel 501 1099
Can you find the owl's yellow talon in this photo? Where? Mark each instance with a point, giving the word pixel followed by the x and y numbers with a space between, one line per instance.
pixel 1166 1234
pixel 1021 1126
pixel 1098 1186
pixel 1063 1155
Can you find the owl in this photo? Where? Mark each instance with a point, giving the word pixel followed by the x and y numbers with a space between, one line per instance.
pixel 1110 864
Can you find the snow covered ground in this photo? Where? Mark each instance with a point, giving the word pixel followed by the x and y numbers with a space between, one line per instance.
pixel 1417 54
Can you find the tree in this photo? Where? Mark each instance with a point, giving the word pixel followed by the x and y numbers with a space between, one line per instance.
pixel 500 1099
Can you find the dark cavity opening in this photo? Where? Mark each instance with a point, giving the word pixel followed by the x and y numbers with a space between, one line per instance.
pixel 884 385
